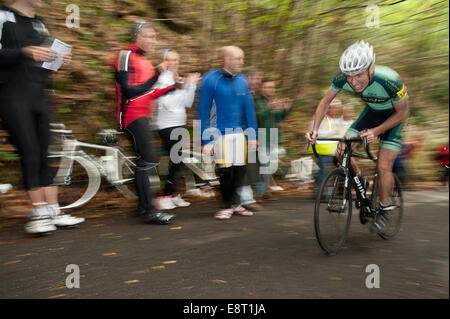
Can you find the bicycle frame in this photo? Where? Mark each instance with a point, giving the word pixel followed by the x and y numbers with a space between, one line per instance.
pixel 350 172
pixel 107 165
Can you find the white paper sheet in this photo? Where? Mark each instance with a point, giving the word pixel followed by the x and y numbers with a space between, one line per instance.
pixel 61 49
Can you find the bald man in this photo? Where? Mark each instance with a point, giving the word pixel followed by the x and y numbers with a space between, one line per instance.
pixel 226 110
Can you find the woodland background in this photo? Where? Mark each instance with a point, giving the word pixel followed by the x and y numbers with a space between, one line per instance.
pixel 297 42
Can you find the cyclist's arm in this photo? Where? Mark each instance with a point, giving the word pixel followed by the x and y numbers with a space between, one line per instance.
pixel 400 115
pixel 322 108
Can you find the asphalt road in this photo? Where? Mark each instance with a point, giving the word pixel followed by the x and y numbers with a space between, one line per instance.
pixel 273 254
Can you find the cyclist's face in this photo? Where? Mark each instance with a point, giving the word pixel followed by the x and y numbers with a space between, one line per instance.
pixel 146 39
pixel 358 81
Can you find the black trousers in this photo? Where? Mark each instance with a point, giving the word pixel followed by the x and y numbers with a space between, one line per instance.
pixel 169 189
pixel 146 162
pixel 230 179
pixel 25 115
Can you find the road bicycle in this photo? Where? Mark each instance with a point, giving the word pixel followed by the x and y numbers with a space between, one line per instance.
pixel 80 174
pixel 334 201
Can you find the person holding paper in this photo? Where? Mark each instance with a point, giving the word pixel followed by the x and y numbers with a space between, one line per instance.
pixel 24 108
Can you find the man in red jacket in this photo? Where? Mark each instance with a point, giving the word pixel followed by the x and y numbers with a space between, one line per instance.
pixel 135 76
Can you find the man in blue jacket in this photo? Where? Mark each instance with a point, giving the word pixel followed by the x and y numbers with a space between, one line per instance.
pixel 226 110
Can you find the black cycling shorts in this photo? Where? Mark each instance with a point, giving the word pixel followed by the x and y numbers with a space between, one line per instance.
pixel 370 118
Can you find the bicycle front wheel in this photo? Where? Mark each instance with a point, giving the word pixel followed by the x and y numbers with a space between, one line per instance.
pixel 78 180
pixel 333 211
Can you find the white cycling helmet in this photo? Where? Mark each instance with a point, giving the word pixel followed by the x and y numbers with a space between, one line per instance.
pixel 359 56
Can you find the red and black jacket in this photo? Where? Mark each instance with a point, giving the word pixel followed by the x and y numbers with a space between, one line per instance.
pixel 135 76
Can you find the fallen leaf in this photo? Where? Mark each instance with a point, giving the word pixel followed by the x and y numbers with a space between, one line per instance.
pixel 170 262
pixel 131 282
pixel 335 278
pixel 12 262
pixel 145 238
pixel 56 288
pixel 411 283
pixel 109 254
pixel 158 267
pixel 28 254
pixel 218 281
pixel 57 296
pixel 187 288
pixel 412 269
pixel 107 234
pixel 140 272
pixel 176 228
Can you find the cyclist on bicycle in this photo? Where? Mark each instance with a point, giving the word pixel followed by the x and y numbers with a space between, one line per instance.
pixel 386 110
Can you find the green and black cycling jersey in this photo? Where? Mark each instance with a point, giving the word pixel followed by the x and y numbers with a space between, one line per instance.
pixel 384 89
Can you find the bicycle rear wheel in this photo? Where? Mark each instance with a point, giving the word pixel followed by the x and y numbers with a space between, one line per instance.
pixel 394 217
pixel 333 211
pixel 77 178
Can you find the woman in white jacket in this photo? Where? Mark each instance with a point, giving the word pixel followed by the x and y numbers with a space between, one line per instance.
pixel 172 115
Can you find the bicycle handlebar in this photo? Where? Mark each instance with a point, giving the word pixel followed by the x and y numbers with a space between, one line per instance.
pixel 348 141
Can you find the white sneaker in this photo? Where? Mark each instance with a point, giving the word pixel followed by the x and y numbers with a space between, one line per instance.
pixel 164 203
pixel 60 219
pixel 179 202
pixel 40 225
pixel 65 220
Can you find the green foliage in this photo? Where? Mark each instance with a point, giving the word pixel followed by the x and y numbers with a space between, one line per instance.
pixel 9 156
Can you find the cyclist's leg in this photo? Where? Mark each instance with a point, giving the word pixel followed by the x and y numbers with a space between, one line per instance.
pixel 340 153
pixel 386 158
pixel 368 119
pixel 389 150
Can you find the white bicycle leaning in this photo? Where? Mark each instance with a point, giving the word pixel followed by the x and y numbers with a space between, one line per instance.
pixel 80 174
